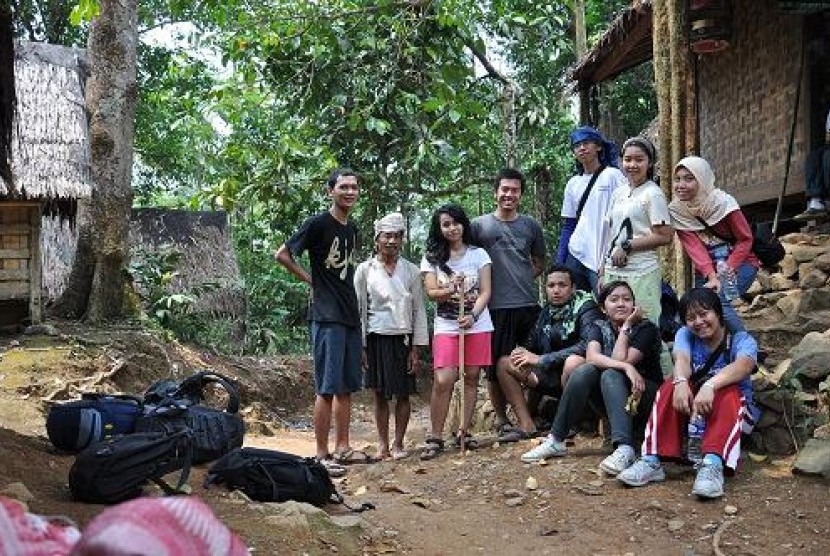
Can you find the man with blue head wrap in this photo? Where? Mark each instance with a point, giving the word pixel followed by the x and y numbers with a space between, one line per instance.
pixel 586 200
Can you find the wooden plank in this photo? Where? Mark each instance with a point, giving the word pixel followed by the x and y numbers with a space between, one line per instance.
pixel 14 290
pixel 20 204
pixel 14 229
pixel 14 275
pixel 14 253
pixel 35 307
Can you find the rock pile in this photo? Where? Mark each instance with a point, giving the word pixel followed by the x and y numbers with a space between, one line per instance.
pixel 791 307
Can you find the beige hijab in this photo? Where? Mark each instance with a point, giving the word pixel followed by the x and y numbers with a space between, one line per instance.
pixel 711 204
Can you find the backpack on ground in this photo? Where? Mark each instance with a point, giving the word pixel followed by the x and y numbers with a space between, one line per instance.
pixel 171 407
pixel 274 476
pixel 116 469
pixel 72 426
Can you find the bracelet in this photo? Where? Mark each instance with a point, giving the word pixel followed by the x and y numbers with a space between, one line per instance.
pixel 709 384
pixel 625 330
pixel 679 379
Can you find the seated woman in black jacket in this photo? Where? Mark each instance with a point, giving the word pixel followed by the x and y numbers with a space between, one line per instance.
pixel 621 372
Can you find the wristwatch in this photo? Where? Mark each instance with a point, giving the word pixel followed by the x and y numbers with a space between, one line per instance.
pixel 626 246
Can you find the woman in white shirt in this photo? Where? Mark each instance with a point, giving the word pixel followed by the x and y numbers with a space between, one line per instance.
pixel 390 297
pixel 455 271
pixel 638 222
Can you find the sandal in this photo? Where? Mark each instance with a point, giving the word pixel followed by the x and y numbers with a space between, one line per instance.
pixel 516 435
pixel 433 447
pixel 398 454
pixel 333 468
pixel 470 443
pixel 351 456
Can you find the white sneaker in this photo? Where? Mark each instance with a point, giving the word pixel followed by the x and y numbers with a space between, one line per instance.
pixel 622 458
pixel 709 481
pixel 642 473
pixel 550 448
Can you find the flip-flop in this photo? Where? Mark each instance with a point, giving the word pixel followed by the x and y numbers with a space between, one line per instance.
pixel 334 469
pixel 397 455
pixel 353 457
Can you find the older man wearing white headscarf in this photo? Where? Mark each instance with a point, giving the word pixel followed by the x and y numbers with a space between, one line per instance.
pixel 711 226
pixel 394 323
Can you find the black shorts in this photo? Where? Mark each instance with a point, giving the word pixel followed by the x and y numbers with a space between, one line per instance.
pixel 388 362
pixel 511 327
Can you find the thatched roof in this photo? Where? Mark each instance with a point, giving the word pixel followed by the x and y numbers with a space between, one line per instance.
pixel 50 146
pixel 203 238
pixel 625 44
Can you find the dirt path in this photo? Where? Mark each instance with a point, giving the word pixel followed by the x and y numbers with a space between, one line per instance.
pixel 457 504
pixel 576 511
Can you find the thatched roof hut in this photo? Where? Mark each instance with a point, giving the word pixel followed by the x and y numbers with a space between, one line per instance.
pixel 50 140
pixel 49 170
pixel 207 256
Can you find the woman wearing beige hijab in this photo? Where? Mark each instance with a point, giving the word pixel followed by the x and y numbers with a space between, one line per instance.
pixel 710 224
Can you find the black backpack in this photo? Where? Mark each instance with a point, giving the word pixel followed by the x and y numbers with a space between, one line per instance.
pixel 172 407
pixel 116 469
pixel 72 426
pixel 274 476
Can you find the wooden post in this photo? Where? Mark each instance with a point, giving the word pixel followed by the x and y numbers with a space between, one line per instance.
pixel 675 82
pixel 35 267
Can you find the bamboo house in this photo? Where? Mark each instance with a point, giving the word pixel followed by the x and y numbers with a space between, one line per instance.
pixel 742 83
pixel 49 171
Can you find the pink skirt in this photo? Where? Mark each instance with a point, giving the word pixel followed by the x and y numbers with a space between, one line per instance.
pixel 477 350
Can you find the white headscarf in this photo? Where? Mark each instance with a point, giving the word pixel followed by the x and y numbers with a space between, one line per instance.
pixel 392 222
pixel 710 203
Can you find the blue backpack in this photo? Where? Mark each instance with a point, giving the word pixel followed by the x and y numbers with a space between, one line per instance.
pixel 72 426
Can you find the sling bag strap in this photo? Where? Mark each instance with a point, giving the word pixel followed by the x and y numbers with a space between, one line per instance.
pixel 588 189
pixel 712 231
pixel 701 373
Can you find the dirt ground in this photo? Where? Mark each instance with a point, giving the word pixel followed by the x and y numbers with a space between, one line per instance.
pixel 474 503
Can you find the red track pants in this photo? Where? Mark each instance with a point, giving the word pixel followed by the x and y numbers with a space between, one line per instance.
pixel 667 427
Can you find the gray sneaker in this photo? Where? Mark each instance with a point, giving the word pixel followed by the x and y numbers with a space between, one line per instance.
pixel 622 458
pixel 642 473
pixel 550 448
pixel 709 481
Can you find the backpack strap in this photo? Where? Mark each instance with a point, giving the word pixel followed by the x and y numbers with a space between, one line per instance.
pixel 701 373
pixel 587 192
pixel 185 473
pixel 712 231
pixel 195 384
pixel 337 498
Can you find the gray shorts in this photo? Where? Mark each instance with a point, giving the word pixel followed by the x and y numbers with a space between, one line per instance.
pixel 337 349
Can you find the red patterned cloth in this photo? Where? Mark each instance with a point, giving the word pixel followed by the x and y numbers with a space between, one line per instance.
pixel 25 534
pixel 175 526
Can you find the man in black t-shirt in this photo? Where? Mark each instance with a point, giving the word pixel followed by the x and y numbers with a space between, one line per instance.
pixel 330 240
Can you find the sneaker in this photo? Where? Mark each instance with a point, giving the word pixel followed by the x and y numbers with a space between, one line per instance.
pixel 550 448
pixel 642 473
pixel 622 458
pixel 709 481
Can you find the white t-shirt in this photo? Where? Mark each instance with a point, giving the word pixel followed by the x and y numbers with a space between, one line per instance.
pixel 586 241
pixel 633 212
pixel 473 260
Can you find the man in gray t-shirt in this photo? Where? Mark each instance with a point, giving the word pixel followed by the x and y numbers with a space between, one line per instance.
pixel 516 246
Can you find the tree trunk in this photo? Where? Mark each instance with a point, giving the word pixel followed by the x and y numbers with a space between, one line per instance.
pixel 581 48
pixel 96 289
pixel 7 93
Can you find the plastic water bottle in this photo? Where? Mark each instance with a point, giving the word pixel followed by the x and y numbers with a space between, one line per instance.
pixel 694 453
pixel 728 282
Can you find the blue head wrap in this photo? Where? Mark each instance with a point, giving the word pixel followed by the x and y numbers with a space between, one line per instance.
pixel 608 156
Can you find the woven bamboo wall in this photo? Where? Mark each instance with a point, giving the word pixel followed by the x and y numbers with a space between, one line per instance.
pixel 746 98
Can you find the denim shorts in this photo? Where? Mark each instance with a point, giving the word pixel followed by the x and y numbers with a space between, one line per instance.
pixel 337 350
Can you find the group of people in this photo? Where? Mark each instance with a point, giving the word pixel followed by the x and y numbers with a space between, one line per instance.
pixel 593 344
